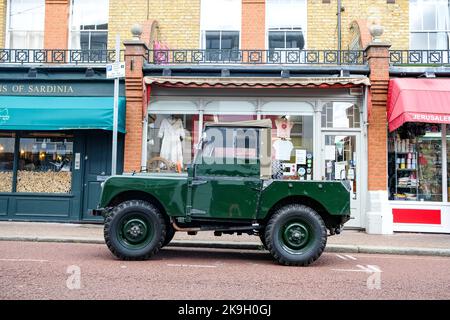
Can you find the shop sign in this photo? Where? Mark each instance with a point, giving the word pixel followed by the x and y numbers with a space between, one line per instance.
pixel 57 89
pixel 424 117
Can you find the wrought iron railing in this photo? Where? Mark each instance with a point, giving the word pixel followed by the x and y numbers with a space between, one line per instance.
pixel 254 57
pixel 57 56
pixel 419 57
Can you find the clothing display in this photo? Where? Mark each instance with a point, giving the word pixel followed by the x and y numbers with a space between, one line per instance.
pixel 172 133
pixel 283 149
pixel 284 127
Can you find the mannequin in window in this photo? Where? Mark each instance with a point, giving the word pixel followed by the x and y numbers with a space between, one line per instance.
pixel 284 127
pixel 172 133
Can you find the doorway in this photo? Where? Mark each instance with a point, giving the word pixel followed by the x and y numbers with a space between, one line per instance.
pixel 341 152
pixel 97 168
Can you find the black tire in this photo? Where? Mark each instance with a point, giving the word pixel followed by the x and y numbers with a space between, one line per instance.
pixel 121 225
pixel 170 233
pixel 296 235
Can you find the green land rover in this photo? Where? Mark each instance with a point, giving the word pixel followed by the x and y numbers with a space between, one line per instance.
pixel 230 188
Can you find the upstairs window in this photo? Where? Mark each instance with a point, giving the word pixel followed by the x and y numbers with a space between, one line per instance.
pixel 26 19
pixel 220 25
pixel 89 24
pixel 429 23
pixel 286 24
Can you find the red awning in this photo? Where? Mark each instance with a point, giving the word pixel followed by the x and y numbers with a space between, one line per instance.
pixel 418 100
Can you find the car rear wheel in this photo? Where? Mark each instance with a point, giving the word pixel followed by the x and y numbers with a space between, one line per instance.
pixel 296 235
pixel 135 230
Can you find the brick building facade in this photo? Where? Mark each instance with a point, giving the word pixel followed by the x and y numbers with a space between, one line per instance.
pixel 180 24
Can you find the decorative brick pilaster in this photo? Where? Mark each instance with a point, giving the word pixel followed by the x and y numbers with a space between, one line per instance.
pixel 56 24
pixel 253 31
pixel 379 215
pixel 135 53
pixel 378 59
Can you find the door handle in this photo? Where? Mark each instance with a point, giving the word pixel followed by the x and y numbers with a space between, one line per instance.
pixel 198 182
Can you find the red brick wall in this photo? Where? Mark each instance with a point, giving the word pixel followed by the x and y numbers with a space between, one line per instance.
pixel 253 31
pixel 56 24
pixel 378 58
pixel 134 62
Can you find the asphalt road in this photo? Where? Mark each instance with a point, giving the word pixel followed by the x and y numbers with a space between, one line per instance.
pixel 51 271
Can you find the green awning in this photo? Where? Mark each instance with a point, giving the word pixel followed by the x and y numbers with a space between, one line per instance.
pixel 59 113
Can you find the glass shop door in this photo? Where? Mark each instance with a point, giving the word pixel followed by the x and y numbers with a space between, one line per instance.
pixel 340 154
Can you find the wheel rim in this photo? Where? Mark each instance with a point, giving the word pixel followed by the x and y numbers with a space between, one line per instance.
pixel 295 236
pixel 135 231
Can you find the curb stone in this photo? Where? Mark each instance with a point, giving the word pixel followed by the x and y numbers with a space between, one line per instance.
pixel 334 248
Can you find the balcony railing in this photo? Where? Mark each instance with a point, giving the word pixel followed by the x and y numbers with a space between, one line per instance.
pixel 256 57
pixel 419 57
pixel 57 56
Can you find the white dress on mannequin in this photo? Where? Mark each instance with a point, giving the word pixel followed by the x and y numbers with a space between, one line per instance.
pixel 171 131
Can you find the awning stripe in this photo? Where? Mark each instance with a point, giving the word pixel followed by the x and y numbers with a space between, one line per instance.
pixel 418 100
pixel 256 82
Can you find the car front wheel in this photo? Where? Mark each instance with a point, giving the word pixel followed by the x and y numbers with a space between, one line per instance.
pixel 135 230
pixel 296 235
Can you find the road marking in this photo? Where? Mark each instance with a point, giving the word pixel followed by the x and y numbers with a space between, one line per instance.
pixel 367 269
pixel 346 257
pixel 23 260
pixel 190 266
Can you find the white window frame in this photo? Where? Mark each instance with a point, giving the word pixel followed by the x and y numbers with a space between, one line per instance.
pixel 428 31
pixel 304 27
pixel 203 45
pixel 203 29
pixel 8 29
pixel 69 39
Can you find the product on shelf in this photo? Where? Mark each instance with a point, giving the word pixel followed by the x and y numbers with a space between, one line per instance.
pixel 44 182
pixel 6 181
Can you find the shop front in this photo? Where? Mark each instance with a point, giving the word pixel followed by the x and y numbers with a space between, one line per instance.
pixel 55 148
pixel 317 125
pixel 419 154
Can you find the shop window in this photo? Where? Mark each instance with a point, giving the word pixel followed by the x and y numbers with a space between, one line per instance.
pixel 171 141
pixel 429 23
pixel 448 162
pixel 292 146
pixel 341 115
pixel 26 24
pixel 6 161
pixel 415 163
pixel 89 26
pixel 45 164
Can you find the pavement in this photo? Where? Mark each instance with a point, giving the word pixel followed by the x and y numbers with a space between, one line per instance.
pixel 349 241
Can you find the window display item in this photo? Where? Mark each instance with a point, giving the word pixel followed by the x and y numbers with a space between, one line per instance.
pixel 284 127
pixel 283 149
pixel 172 133
pixel 6 181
